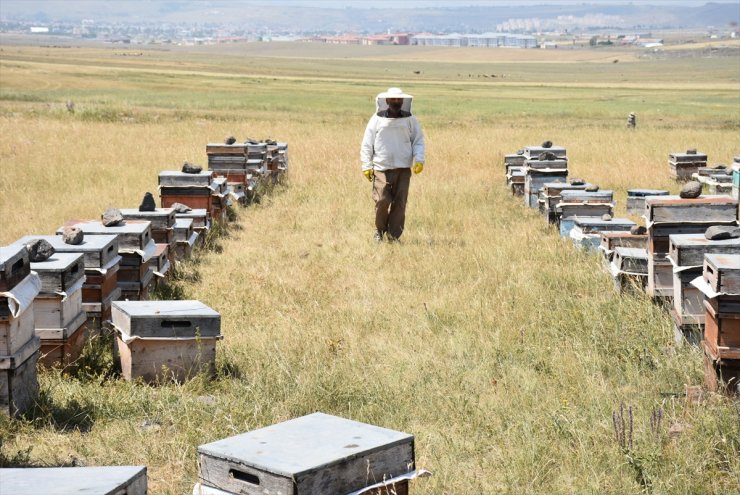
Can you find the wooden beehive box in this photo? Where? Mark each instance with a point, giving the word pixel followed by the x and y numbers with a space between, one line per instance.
pixel 536 151
pixel 185 237
pixel 534 179
pixel 722 273
pixel 722 333
pixel 14 266
pixel 586 231
pixel 514 159
pixel 631 260
pixel 99 251
pixel 18 381
pixel 218 185
pixel 137 290
pixel 313 454
pixel 16 315
pixel 160 340
pixel 162 220
pixel 636 199
pixel 736 179
pixel 660 276
pixel 172 178
pixel 160 262
pixel 58 313
pixel 545 165
pixel 64 351
pixel 132 234
pixel 612 240
pixel 721 374
pixel 237 192
pixel 60 272
pixel 689 249
pixel 706 210
pixel 659 234
pixel 97 480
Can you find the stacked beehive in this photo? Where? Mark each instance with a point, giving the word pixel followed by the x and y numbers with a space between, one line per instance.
pixel 102 262
pixel 668 215
pixel 193 190
pixel 96 480
pixel 165 340
pixel 716 180
pixel 185 237
pixel 550 197
pixel 59 319
pixel 629 268
pixel 736 177
pixel 220 197
pixel 19 346
pixel 313 454
pixel 684 165
pixel 575 204
pixel 136 248
pixel 542 165
pixel 720 283
pixel 686 254
pixel 200 222
pixel 612 240
pixel 163 233
pixel 586 231
pixel 514 165
pixel 636 199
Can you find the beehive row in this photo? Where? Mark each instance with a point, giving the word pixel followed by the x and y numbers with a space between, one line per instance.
pixel 49 309
pixel 663 260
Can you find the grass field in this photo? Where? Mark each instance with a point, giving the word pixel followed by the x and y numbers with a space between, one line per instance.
pixel 501 348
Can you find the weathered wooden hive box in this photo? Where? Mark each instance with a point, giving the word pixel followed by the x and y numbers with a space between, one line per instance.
pixel 515 159
pixel 683 165
pixel 536 151
pixel 720 283
pixel 162 220
pixel 185 237
pixel 237 192
pixel 686 253
pixel 99 480
pixel 226 157
pixel 577 203
pixel 515 176
pixel 313 454
pixel 59 317
pixel 165 340
pixel 193 190
pixel 636 199
pixel 586 231
pixel 535 179
pixel 160 262
pixel 629 268
pixel 102 263
pixel 17 324
pixel 219 197
pixel 135 246
pixel 14 266
pixel 18 380
pixel 201 219
pixel 550 196
pixel 736 178
pixel 612 240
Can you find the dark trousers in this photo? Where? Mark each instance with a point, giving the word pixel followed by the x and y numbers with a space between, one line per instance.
pixel 390 190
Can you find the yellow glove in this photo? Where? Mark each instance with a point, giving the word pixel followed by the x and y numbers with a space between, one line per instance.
pixel 369 173
pixel 418 167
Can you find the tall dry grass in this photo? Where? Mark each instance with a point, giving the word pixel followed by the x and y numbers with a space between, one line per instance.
pixel 503 349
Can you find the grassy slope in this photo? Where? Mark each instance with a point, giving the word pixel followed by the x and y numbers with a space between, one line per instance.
pixel 484 334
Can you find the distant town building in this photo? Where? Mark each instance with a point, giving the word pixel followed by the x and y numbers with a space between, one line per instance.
pixel 39 29
pixel 485 40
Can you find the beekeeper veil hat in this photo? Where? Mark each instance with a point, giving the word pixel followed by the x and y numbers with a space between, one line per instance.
pixel 381 105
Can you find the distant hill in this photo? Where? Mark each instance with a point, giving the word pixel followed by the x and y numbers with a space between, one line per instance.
pixel 279 17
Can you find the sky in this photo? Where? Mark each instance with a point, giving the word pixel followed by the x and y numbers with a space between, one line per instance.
pixel 492 3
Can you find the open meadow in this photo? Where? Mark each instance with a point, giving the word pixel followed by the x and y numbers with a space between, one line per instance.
pixel 504 350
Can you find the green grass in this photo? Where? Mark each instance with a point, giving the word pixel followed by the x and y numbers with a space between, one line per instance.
pixel 503 349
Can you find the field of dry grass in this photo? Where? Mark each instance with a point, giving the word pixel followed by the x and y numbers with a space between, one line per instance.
pixel 499 346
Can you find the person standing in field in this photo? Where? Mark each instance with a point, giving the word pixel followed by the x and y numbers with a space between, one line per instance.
pixel 392 147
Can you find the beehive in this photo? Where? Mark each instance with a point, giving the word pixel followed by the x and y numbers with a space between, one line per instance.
pixel 14 266
pixel 16 314
pixel 162 222
pixel 98 480
pixel 636 199
pixel 18 380
pixel 586 231
pixel 313 454
pixel 161 340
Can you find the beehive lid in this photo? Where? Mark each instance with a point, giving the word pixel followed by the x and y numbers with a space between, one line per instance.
pixel 161 217
pixel 304 444
pixel 535 151
pixel 724 261
pixel 176 178
pixel 101 480
pixel 704 209
pixel 97 249
pixel 10 255
pixel 575 195
pixel 194 213
pixel 57 263
pixel 132 234
pixel 631 253
pixel 589 225
pixel 14 265
pixel 646 192
pixel 165 319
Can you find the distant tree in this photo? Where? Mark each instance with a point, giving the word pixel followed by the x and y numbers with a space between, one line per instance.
pixel 593 41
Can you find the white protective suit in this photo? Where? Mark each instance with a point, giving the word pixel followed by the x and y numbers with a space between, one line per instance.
pixel 392 143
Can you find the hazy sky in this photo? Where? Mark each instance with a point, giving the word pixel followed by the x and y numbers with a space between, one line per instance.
pixel 458 3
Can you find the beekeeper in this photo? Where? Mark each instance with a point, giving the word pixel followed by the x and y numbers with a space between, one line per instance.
pixel 392 147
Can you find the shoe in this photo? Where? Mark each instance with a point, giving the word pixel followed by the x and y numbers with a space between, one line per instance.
pixel 378 237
